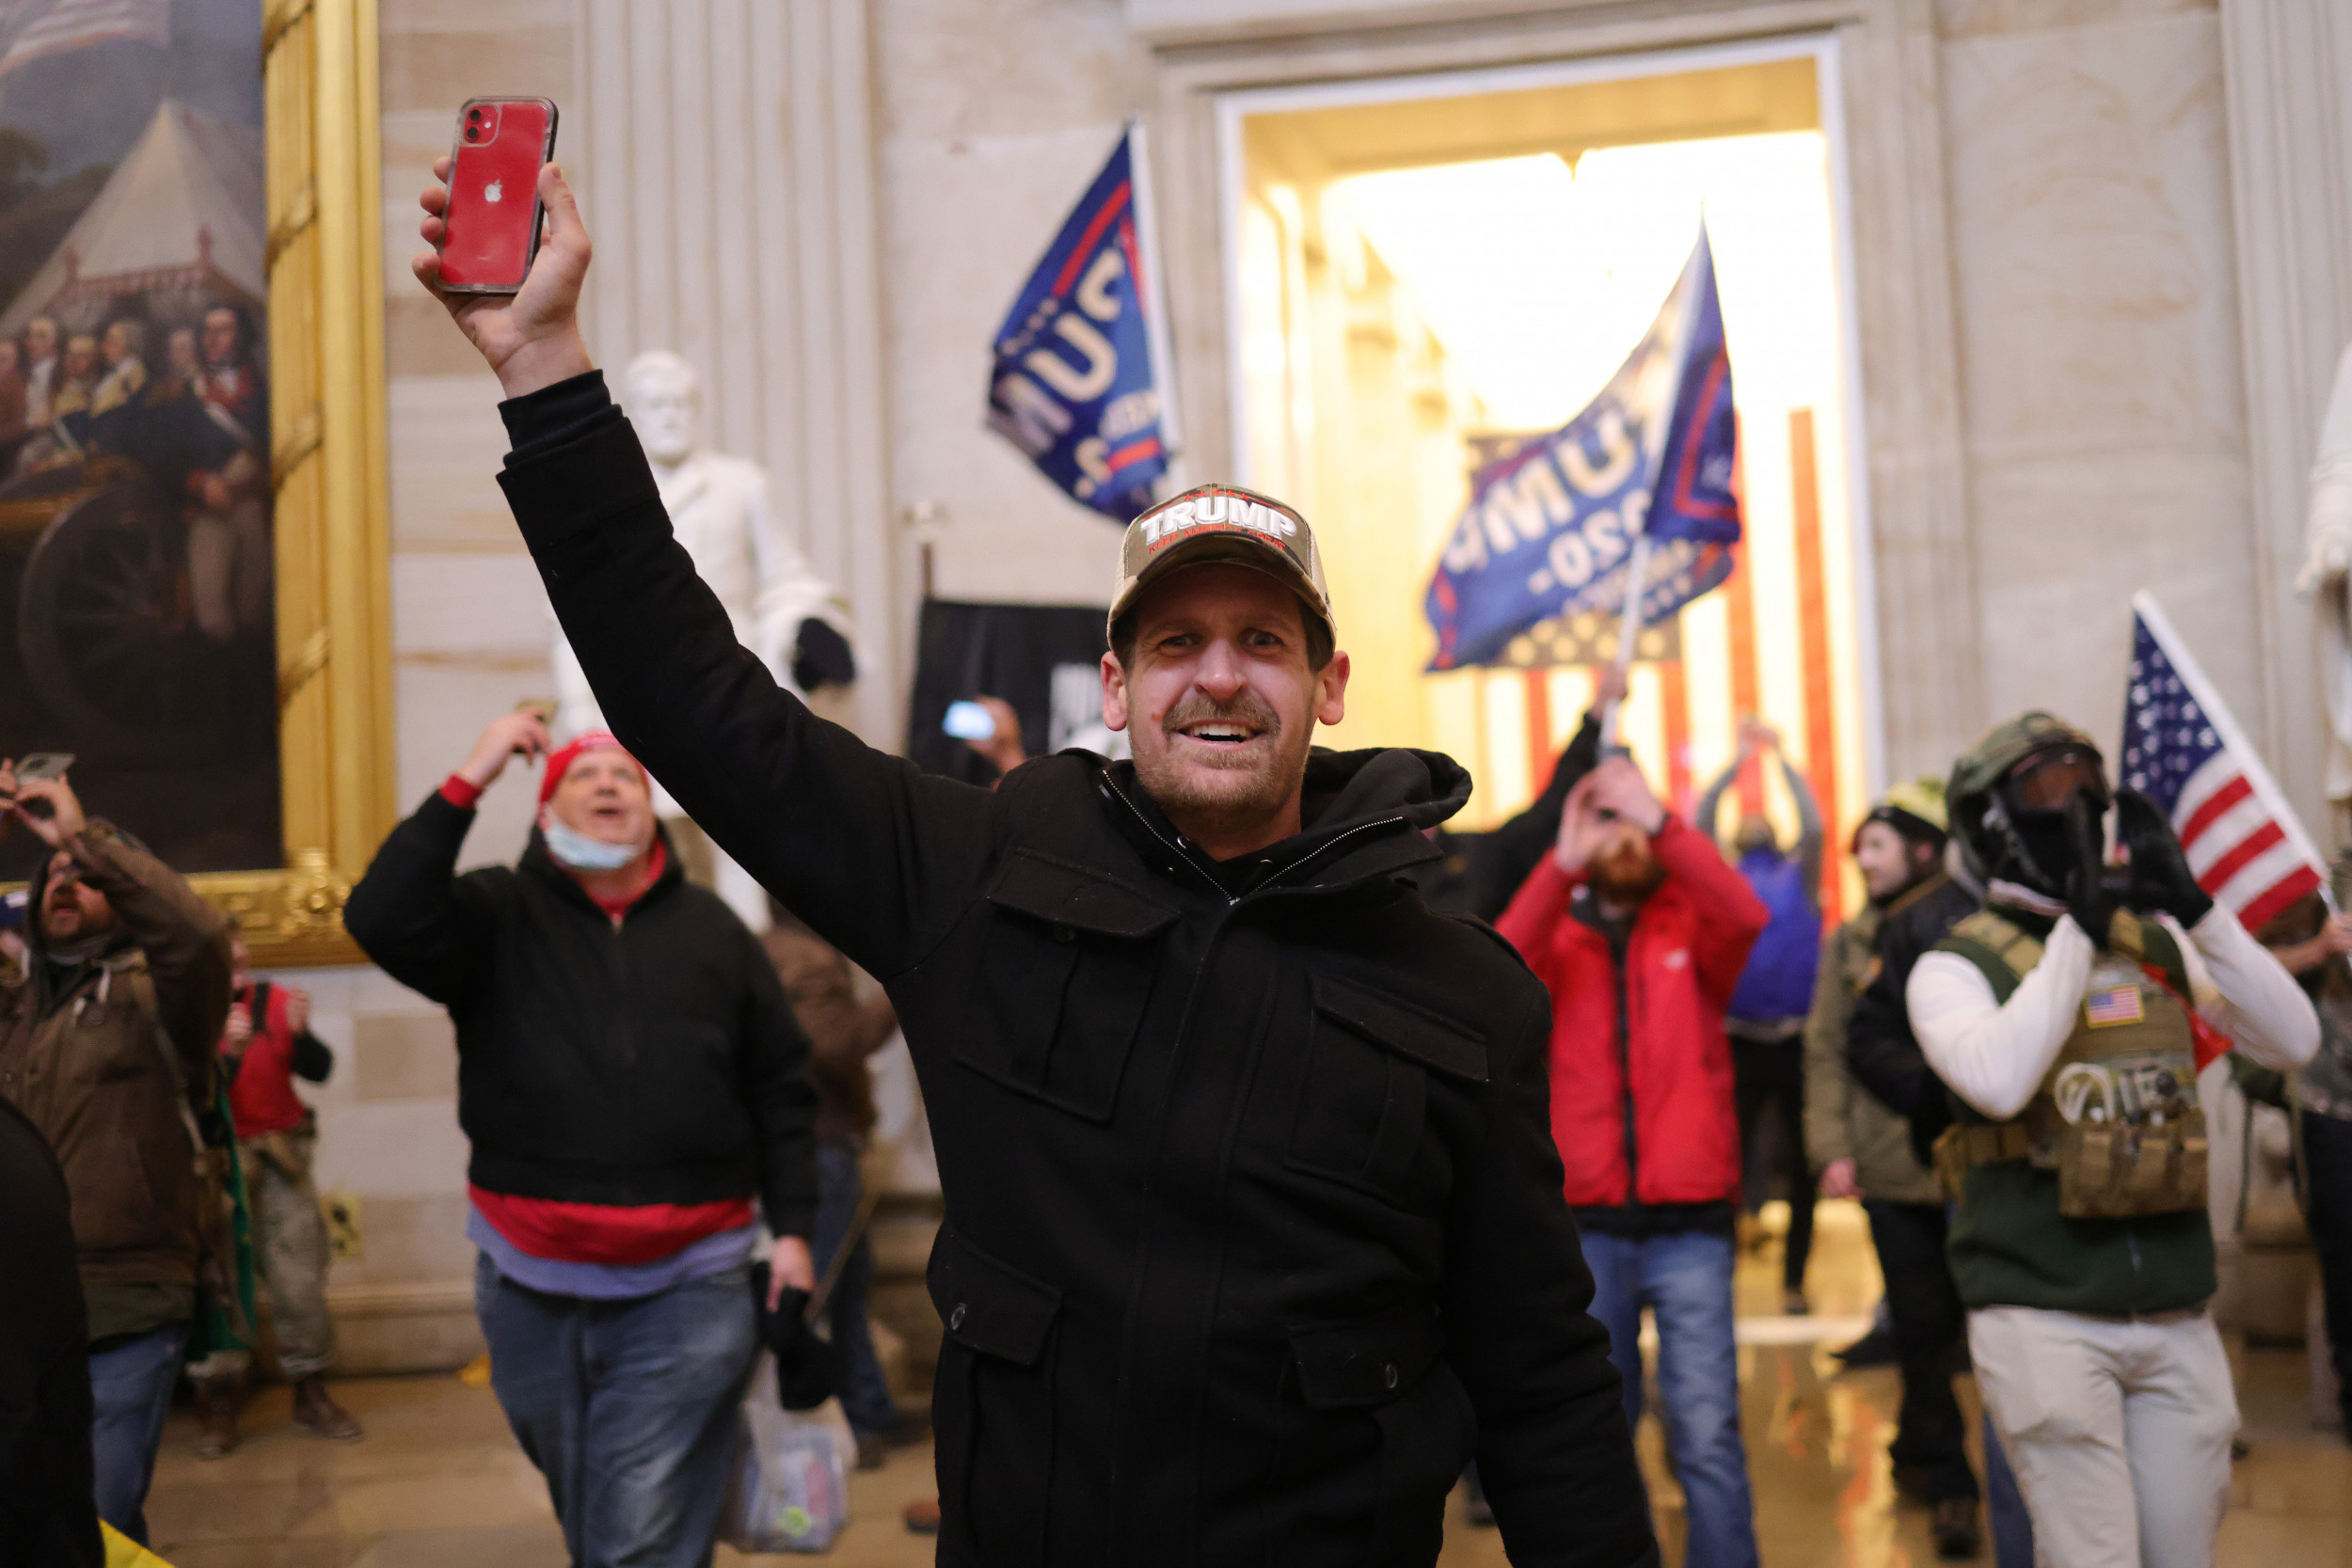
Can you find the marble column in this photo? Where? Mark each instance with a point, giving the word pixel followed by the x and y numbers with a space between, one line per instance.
pixel 725 158
pixel 2288 66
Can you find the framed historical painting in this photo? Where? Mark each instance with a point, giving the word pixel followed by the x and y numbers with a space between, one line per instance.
pixel 193 597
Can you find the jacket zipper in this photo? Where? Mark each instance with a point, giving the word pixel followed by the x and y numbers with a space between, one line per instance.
pixel 1161 839
pixel 1624 1066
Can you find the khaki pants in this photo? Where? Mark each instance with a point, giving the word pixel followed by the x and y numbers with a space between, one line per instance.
pixel 2119 1430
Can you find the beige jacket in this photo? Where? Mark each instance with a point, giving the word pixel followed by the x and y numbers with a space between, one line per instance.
pixel 1842 1119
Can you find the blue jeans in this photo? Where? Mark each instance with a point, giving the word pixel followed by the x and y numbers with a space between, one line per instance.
pixel 628 1408
pixel 1684 1279
pixel 865 1392
pixel 130 1386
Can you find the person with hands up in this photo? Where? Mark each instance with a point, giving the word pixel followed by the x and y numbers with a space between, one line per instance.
pixel 1183 1276
pixel 631 1079
pixel 2063 1017
pixel 106 1045
pixel 1639 932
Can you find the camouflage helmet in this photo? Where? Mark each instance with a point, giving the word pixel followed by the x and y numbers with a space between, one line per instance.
pixel 2004 746
pixel 1989 841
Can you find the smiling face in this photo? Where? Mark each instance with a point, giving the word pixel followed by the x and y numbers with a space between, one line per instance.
pixel 71 909
pixel 1220 702
pixel 604 796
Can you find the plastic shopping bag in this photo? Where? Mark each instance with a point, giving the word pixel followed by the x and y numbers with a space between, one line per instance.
pixel 791 1490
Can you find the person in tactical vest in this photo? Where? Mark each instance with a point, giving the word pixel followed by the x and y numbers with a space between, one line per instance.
pixel 2069 1017
pixel 1862 1146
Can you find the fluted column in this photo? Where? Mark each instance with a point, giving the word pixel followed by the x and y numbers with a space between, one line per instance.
pixel 726 154
pixel 2289 75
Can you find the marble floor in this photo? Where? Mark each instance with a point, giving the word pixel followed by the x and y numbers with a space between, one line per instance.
pixel 439 1483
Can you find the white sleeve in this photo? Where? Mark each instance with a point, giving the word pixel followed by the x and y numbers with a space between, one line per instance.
pixel 1994 1054
pixel 2259 1007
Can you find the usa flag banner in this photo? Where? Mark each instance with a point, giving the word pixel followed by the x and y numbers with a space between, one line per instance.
pixel 2183 750
pixel 1640 480
pixel 1079 383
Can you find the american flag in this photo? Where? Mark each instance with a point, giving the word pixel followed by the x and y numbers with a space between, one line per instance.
pixel 34 30
pixel 2183 750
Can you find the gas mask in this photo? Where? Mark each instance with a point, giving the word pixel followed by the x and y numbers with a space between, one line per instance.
pixel 2051 811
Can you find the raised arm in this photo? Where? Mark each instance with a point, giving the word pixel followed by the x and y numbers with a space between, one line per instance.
pixel 184 938
pixel 877 857
pixel 1809 833
pixel 423 925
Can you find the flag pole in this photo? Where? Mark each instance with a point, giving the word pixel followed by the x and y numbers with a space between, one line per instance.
pixel 2201 689
pixel 1629 628
pixel 1152 292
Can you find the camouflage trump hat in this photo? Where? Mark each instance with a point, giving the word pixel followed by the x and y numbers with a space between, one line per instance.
pixel 1223 523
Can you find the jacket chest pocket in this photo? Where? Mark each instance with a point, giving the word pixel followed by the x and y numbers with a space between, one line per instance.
pixel 1362 1105
pixel 1065 974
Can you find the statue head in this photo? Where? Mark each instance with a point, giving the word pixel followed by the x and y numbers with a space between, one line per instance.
pixel 664 400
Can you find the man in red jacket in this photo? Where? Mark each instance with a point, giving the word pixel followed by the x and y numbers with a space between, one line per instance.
pixel 1640 930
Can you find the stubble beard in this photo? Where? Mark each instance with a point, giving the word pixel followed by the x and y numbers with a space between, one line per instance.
pixel 1242 789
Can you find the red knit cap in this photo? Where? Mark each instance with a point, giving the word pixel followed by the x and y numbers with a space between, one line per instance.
pixel 560 761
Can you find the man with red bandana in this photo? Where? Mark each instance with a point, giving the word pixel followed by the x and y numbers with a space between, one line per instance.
pixel 630 1078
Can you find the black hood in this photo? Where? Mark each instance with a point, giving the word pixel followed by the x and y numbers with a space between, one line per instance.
pixel 1362 815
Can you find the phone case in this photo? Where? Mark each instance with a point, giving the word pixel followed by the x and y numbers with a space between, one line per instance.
pixel 493 214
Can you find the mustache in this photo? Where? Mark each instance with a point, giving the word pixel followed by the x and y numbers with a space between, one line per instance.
pixel 1243 707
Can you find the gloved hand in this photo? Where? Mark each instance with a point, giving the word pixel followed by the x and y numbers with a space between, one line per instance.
pixel 2088 899
pixel 2161 877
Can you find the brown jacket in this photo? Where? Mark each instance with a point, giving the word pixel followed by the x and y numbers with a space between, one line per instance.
pixel 842 1031
pixel 88 1065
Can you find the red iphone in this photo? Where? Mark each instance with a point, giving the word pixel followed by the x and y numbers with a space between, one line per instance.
pixel 494 214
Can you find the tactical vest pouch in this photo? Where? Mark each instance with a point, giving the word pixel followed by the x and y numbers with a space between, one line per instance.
pixel 2112 1170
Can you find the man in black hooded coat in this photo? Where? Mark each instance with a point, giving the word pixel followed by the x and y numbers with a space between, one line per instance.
pixel 1254 1224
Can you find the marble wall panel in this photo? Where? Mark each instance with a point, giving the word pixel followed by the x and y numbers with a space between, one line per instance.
pixel 2102 400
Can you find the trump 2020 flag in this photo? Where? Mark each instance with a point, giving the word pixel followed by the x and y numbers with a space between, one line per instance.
pixel 1077 385
pixel 1551 529
pixel 2183 750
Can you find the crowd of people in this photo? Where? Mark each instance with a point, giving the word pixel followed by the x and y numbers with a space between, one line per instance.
pixel 1281 1189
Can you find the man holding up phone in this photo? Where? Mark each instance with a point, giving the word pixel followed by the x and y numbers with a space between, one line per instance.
pixel 107 1042
pixel 1254 1221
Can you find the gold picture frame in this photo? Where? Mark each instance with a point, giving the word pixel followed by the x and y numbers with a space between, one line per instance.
pixel 332 507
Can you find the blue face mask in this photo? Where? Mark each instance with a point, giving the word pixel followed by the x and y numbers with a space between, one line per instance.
pixel 577 851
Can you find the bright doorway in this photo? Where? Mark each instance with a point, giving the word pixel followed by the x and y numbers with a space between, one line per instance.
pixel 1421 270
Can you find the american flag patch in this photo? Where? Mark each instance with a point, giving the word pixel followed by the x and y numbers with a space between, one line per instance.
pixel 2109 1005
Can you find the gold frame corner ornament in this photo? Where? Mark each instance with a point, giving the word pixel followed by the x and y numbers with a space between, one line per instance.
pixel 332 508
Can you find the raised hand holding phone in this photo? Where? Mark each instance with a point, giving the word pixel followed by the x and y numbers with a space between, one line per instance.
pixel 531 337
pixel 491 222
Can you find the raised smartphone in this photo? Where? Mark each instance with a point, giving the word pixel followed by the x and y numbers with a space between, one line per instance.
pixel 494 216
pixel 969 722
pixel 37 765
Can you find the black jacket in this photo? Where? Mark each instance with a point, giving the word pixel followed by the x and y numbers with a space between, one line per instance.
pixel 1879 1047
pixel 47 1517
pixel 1254 1225
pixel 653 1063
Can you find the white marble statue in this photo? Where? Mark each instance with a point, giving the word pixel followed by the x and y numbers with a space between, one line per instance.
pixel 719 510
pixel 2328 572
